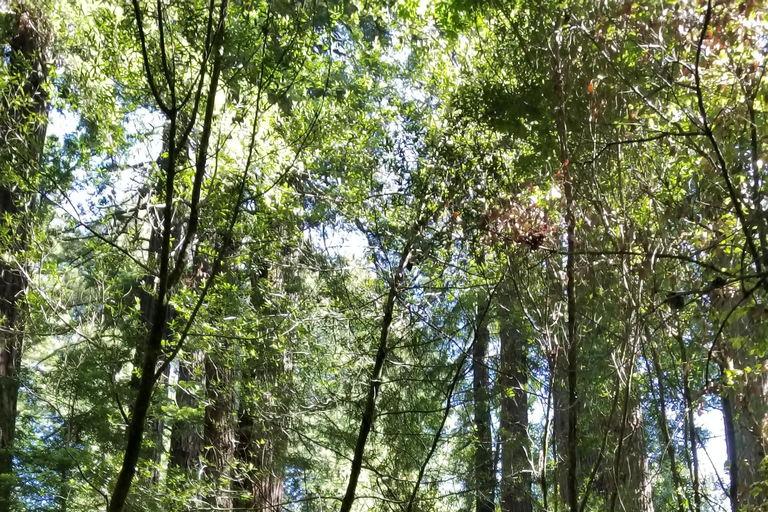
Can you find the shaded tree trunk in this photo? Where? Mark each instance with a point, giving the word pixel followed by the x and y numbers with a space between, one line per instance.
pixel 167 276
pixel 560 425
pixel 148 304
pixel 369 410
pixel 186 438
pixel 261 445
pixel 219 436
pixel 634 479
pixel 666 436
pixel 261 441
pixel 567 446
pixel 515 466
pixel 23 120
pixel 745 414
pixel 690 425
pixel 485 478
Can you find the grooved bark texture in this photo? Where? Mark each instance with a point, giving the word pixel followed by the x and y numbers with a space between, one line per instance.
pixel 186 438
pixel 485 478
pixel 746 429
pixel 261 440
pixel 219 431
pixel 22 131
pixel 515 468
pixel 634 479
pixel 261 445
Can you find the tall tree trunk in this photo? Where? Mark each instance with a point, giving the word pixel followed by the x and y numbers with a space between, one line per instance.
pixel 559 370
pixel 690 434
pixel 261 438
pixel 147 305
pixel 515 466
pixel 261 445
pixel 22 119
pixel 745 413
pixel 485 477
pixel 631 475
pixel 666 436
pixel 186 438
pixel 569 486
pixel 634 479
pixel 219 430
pixel 167 275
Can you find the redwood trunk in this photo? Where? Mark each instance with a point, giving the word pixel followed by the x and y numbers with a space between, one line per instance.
pixel 186 439
pixel 261 446
pixel 22 119
pixel 219 431
pixel 485 478
pixel 634 479
pixel 515 467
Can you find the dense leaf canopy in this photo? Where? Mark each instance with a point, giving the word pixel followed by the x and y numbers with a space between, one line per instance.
pixel 397 256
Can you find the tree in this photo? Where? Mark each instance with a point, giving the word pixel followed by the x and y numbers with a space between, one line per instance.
pixel 22 127
pixel 513 379
pixel 384 256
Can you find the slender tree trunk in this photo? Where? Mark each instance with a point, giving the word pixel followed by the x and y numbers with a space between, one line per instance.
pixel 515 466
pixel 22 119
pixel 166 275
pixel 559 372
pixel 666 436
pixel 690 425
pixel 186 436
pixel 731 449
pixel 369 410
pixel 147 303
pixel 485 477
pixel 569 490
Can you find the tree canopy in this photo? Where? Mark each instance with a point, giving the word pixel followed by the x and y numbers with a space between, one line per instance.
pixel 396 256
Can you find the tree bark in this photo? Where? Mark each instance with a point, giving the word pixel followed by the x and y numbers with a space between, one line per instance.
pixel 569 481
pixel 690 425
pixel 261 445
pixel 261 440
pixel 23 120
pixel 745 415
pixel 634 479
pixel 147 304
pixel 485 477
pixel 186 438
pixel 515 466
pixel 219 430
pixel 666 436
